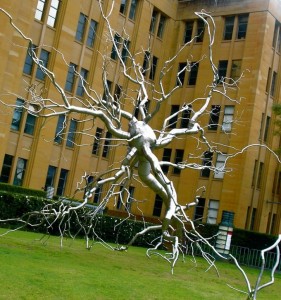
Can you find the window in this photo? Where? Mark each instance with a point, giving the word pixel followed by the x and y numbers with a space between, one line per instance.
pixel 107 90
pixel 161 26
pixel 236 69
pixel 125 50
pixel 28 64
pixel 146 64
pixel 206 163
pixel 214 117
pixel 181 73
pixel 30 124
pixel 115 46
pixel 188 31
pixel 278 45
pixel 157 206
pixel 40 10
pixel 71 133
pixel 51 21
pixel 268 80
pixel 70 79
pixel 123 6
pixel 260 175
pixel 228 27
pixel 145 108
pixel 174 116
pixel 153 21
pixel 178 159
pixel 193 73
pixel 50 179
pixel 107 143
pixel 60 128
pixel 157 24
pixel 133 9
pixel 220 164
pixel 62 182
pixel 166 157
pixel 130 199
pixel 228 118
pixel 153 68
pixel 98 193
pixel 266 129
pixel 275 33
pixel 273 84
pixel 242 26
pixel 185 117
pixel 92 33
pixel 42 7
pixel 20 171
pixel 96 145
pixel 199 210
pixel 44 58
pixel 17 116
pixel 200 31
pixel 117 93
pixel 6 168
pixel 81 27
pixel 83 77
pixel 222 69
pixel 253 217
pixel 213 210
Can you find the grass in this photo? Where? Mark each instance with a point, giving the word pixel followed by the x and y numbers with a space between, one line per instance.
pixel 32 270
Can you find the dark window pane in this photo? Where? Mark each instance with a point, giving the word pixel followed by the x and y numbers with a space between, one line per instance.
pixel 153 68
pixel 30 124
pixel 6 168
pixel 200 31
pixel 199 209
pixel 123 6
pixel 62 182
pixel 107 142
pixel 80 89
pixel 81 27
pixel 71 133
pixel 157 206
pixel 153 21
pixel 96 145
pixel 44 58
pixel 222 70
pixel 188 31
pixel 173 121
pixel 214 117
pixel 228 28
pixel 161 26
pixel 133 8
pixel 70 77
pixel 17 116
pixel 50 176
pixel 181 73
pixel 193 73
pixel 185 117
pixel 92 33
pixel 166 157
pixel 207 162
pixel 20 171
pixel 178 159
pixel 242 26
pixel 60 129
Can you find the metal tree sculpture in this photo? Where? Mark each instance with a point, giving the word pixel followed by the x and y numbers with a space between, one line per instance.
pixel 141 138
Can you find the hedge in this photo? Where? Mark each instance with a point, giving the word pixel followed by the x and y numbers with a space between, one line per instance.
pixel 108 228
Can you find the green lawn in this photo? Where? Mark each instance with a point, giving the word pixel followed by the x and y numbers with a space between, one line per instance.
pixel 31 270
